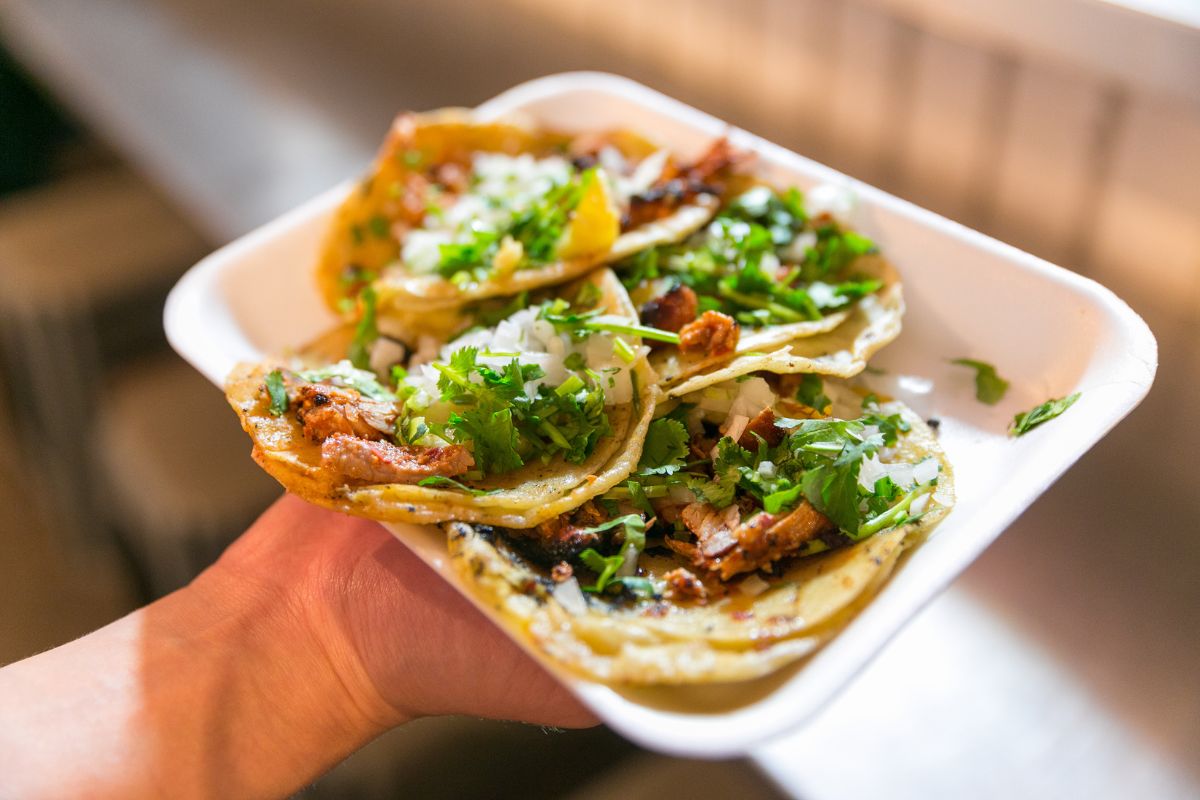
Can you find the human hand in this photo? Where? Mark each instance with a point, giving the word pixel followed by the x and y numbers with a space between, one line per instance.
pixel 403 642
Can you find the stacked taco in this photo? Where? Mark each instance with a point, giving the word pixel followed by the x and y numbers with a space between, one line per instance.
pixel 626 384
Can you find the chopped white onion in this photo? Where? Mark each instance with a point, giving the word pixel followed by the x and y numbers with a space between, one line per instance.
pixel 629 565
pixel 570 596
pixel 926 471
pixel 918 505
pixel 753 395
pixel 797 250
pixel 647 172
pixel 839 201
pixel 753 586
pixel 385 352
pixel 735 426
pixel 536 342
pixel 681 496
pixel 766 469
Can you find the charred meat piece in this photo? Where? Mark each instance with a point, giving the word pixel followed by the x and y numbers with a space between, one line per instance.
pixel 561 571
pixel 451 176
pixel 726 547
pixel 677 187
pixel 712 335
pixel 671 311
pixel 763 425
pixel 717 158
pixel 564 537
pixel 326 410
pixel 660 200
pixel 683 585
pixel 383 462
pixel 713 528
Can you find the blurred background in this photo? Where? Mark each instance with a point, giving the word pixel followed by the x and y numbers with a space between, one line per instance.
pixel 138 135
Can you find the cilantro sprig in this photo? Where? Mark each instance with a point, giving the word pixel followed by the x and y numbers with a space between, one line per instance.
pixel 1026 421
pixel 581 324
pixel 366 331
pixel 665 448
pixel 507 427
pixel 277 393
pixel 819 460
pixel 537 228
pixel 734 264
pixel 989 386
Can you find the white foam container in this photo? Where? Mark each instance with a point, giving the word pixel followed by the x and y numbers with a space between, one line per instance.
pixel 1049 331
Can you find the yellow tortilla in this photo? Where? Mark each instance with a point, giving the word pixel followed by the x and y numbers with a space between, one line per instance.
pixel 737 637
pixel 523 498
pixel 416 142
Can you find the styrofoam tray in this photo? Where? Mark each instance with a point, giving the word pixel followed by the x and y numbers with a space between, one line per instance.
pixel 1049 331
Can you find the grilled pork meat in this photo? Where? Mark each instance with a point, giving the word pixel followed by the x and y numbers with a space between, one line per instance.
pixel 713 335
pixel 383 462
pixel 326 410
pixel 671 311
pixel 677 187
pixel 683 585
pixel 763 425
pixel 564 537
pixel 725 546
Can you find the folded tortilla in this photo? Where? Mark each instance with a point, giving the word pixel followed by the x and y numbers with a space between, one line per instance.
pixel 764 622
pixel 520 498
pixel 365 241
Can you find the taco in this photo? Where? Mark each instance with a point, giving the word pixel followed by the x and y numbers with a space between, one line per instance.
pixel 507 424
pixel 457 210
pixel 755 526
pixel 763 274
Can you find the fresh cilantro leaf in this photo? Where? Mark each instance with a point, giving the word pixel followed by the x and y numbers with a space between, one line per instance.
pixel 343 373
pixel 665 448
pixel 450 483
pixel 494 436
pixel 637 496
pixel 277 393
pixel 720 491
pixel 731 455
pixel 378 226
pixel 784 498
pixel 475 252
pixel 835 250
pixel 1026 421
pixel 410 430
pixel 883 495
pixel 833 490
pixel 811 393
pixel 853 290
pixel 896 515
pixel 633 529
pixel 890 426
pixel 575 361
pixel 366 332
pixel 639 268
pixel 605 568
pixel 583 324
pixel 640 587
pixel 589 295
pixel 989 386
pixel 567 420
